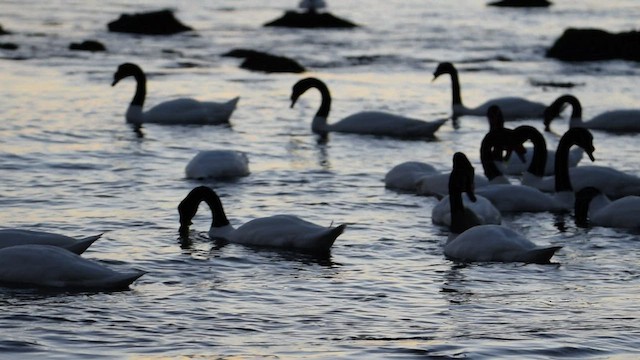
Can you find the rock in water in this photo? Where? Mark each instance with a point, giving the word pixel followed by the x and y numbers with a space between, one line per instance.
pixel 595 44
pixel 260 61
pixel 151 23
pixel 309 20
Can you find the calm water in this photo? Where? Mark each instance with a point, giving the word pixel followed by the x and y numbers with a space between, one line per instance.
pixel 70 164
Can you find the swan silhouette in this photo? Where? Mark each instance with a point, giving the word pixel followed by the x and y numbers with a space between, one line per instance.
pixel 47 266
pixel 173 112
pixel 469 241
pixel 278 231
pixel 13 237
pixel 365 122
pixel 622 121
pixel 513 108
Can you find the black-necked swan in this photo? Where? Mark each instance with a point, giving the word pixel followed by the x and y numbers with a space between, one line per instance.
pixel 622 121
pixel 594 208
pixel 172 112
pixel 564 182
pixel 612 182
pixel 279 231
pixel 364 122
pixel 513 108
pixel 515 165
pixel 470 242
pixel 47 266
pixel 12 237
pixel 218 164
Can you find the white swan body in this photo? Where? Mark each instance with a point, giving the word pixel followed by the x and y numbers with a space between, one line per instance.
pixel 513 108
pixel 471 242
pixel 54 267
pixel 219 164
pixel 279 231
pixel 622 121
pixel 483 209
pixel 404 176
pixel 13 237
pixel 519 198
pixel 366 122
pixel 591 204
pixel 173 112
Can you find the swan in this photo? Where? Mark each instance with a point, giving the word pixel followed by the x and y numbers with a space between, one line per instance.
pixel 594 208
pixel 565 180
pixel 281 231
pixel 174 112
pixel 365 122
pixel 612 182
pixel 622 121
pixel 405 175
pixel 54 267
pixel 312 5
pixel 469 241
pixel 513 108
pixel 514 165
pixel 219 164
pixel 12 237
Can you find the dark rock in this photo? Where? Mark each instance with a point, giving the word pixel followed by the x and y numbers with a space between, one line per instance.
pixel 8 46
pixel 310 19
pixel 151 23
pixel 594 44
pixel 521 3
pixel 260 61
pixel 3 31
pixel 88 45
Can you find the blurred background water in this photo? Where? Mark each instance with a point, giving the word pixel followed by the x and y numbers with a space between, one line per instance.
pixel 70 164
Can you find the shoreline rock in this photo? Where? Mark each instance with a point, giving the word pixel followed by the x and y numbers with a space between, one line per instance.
pixel 161 22
pixel 595 44
pixel 311 20
pixel 261 61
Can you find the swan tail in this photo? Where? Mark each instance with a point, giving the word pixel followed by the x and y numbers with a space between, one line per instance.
pixel 329 238
pixel 83 244
pixel 125 280
pixel 540 255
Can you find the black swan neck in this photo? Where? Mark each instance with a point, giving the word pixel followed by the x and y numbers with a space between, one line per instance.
pixel 303 85
pixel 491 140
pixel 189 207
pixel 539 158
pixel 561 169
pixel 141 89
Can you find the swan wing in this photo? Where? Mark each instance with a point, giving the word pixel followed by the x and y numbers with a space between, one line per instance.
pixel 622 213
pixel 518 198
pixel 513 108
pixel 627 120
pixel 286 231
pixel 190 111
pixel 386 124
pixel 482 208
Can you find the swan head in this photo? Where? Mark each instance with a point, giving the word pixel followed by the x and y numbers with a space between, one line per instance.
pixel 553 111
pixel 462 176
pixel 444 68
pixel 125 70
pixel 583 138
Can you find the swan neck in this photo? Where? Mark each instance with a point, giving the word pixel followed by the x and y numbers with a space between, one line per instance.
pixel 325 104
pixel 457 209
pixel 141 89
pixel 539 157
pixel 491 170
pixel 561 167
pixel 455 89
pixel 219 218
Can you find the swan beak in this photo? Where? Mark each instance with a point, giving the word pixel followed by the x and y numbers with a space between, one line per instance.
pixel 590 153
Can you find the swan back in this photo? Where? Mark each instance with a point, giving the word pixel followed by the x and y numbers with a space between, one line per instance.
pixel 52 266
pixel 220 164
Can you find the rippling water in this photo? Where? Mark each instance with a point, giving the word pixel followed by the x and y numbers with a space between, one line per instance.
pixel 70 164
